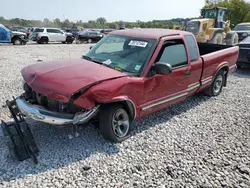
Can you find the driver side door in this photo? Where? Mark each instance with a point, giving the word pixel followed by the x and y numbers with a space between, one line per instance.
pixel 164 90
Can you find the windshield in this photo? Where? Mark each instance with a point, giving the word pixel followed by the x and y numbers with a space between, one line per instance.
pixel 122 53
pixel 247 39
pixel 193 27
pixel 242 27
pixel 210 13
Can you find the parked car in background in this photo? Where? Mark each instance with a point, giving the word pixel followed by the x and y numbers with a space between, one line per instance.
pixel 243 30
pixel 14 37
pixel 106 31
pixel 73 31
pixel 90 36
pixel 244 54
pixel 45 35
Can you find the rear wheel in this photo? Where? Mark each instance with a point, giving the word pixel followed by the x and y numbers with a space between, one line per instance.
pixel 44 40
pixel 69 40
pixel 217 85
pixel 115 123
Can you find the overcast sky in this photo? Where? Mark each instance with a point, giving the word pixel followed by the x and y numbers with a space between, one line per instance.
pixel 112 10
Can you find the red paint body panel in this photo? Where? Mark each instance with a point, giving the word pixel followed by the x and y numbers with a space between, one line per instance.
pixel 66 77
pixel 60 80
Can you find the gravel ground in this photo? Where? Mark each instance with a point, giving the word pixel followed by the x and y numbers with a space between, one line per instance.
pixel 202 142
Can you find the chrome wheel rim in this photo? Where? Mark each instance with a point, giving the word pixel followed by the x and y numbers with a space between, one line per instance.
pixel 120 123
pixel 218 84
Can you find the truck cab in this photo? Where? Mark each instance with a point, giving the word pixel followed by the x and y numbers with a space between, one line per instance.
pixel 14 37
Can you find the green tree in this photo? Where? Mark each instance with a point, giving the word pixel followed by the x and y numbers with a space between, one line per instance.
pixel 101 21
pixel 57 22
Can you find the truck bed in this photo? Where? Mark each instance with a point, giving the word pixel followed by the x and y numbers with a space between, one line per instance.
pixel 214 56
pixel 206 48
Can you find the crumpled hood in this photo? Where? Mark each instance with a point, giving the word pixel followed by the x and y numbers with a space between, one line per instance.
pixel 65 77
pixel 18 33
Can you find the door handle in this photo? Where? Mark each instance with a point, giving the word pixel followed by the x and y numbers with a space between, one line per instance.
pixel 188 73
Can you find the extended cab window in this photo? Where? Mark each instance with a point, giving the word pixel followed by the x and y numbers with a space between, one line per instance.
pixel 192 46
pixel 174 53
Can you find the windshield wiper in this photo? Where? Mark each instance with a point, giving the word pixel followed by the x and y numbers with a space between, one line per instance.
pixel 90 59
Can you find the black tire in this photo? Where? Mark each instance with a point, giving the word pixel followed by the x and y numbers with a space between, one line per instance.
pixel 217 85
pixel 64 42
pixel 217 39
pixel 44 40
pixel 111 128
pixel 69 40
pixel 17 41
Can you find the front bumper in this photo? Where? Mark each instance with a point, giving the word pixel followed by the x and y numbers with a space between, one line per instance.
pixel 39 113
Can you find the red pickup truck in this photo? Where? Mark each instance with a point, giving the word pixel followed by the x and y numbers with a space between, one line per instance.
pixel 127 75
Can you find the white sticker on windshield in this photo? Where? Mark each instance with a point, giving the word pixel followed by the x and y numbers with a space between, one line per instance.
pixel 107 62
pixel 137 67
pixel 138 43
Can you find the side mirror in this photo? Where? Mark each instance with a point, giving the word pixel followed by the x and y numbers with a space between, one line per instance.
pixel 162 68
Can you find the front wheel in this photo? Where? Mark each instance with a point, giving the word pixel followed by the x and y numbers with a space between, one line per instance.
pixel 115 123
pixel 217 85
pixel 217 39
pixel 17 41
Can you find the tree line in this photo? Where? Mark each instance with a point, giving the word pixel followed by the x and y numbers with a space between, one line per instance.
pixel 239 12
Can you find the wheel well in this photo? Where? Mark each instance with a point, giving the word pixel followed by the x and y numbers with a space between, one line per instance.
pixel 128 106
pixel 45 38
pixel 14 37
pixel 225 70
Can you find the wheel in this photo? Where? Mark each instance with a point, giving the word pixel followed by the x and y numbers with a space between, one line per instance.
pixel 64 42
pixel 115 123
pixel 232 38
pixel 69 40
pixel 89 41
pixel 17 41
pixel 217 39
pixel 217 85
pixel 44 40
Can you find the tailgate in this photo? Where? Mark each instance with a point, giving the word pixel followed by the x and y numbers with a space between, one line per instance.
pixel 213 61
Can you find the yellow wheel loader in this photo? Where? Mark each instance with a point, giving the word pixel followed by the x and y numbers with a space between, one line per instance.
pixel 177 27
pixel 212 28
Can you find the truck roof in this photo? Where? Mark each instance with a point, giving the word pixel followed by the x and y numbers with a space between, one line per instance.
pixel 150 33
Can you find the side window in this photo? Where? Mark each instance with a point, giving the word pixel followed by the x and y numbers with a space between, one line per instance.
pixel 58 31
pixel 50 31
pixel 192 46
pixel 174 53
